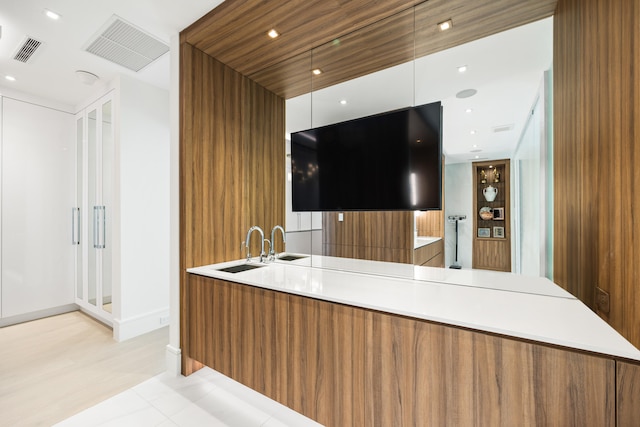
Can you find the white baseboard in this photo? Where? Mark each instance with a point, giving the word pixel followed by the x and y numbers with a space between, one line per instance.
pixel 124 329
pixel 174 360
pixel 40 314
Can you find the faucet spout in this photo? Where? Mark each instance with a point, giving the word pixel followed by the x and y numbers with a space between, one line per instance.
pixel 272 252
pixel 248 242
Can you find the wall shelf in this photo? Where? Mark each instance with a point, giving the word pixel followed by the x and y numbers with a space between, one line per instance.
pixel 492 236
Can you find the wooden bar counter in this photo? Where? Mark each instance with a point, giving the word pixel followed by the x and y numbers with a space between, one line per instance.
pixel 351 346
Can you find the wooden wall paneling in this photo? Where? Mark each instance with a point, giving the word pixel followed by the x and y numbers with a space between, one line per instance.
pixel 596 179
pixel 430 223
pixel 631 85
pixel 378 236
pixel 628 394
pixel 231 163
pixel 264 176
pixel 326 354
pixel 289 78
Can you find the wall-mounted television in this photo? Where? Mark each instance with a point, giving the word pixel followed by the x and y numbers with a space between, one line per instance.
pixel 388 161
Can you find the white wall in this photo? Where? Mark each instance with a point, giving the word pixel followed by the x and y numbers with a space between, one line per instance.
pixel 458 201
pixel 143 131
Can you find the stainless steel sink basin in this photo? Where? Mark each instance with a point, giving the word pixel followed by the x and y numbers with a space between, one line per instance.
pixel 291 257
pixel 239 268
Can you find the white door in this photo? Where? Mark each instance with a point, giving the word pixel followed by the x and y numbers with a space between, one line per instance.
pixel 95 133
pixel 38 158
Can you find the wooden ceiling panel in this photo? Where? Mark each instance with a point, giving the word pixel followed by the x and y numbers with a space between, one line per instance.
pixel 472 20
pixel 345 38
pixel 235 32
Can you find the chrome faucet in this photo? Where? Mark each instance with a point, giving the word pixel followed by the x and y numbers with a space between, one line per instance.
pixel 248 242
pixel 272 243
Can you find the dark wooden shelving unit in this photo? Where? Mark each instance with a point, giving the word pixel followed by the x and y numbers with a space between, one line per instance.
pixel 492 237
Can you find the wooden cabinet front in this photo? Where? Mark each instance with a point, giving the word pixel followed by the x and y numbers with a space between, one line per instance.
pixel 349 366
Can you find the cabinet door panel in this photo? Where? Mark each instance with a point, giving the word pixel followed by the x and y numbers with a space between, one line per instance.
pixel 38 175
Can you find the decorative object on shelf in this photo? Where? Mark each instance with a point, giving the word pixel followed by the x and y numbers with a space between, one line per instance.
pixel 490 193
pixel 498 232
pixel 496 175
pixel 486 213
pixel 483 177
pixel 498 214
pixel 484 232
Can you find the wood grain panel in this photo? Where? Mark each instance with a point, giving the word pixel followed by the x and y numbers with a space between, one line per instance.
pixel 240 331
pixel 230 128
pixel 326 351
pixel 628 394
pixel 235 34
pixel 236 31
pixel 596 179
pixel 378 236
pixel 463 378
pixel 430 223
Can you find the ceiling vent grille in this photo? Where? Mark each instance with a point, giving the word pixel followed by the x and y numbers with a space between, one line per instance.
pixel 504 128
pixel 27 49
pixel 126 45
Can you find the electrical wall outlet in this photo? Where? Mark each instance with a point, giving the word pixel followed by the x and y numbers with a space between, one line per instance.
pixel 602 300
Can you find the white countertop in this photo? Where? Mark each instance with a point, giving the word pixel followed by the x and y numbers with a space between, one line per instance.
pixel 504 303
pixel 421 241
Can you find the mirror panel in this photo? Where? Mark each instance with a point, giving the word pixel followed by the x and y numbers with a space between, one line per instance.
pixel 430 77
pixel 92 147
pixel 107 191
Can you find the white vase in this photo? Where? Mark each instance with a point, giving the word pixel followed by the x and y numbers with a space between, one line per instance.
pixel 490 193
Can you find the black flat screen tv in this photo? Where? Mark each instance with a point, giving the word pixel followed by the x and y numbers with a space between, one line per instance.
pixel 389 161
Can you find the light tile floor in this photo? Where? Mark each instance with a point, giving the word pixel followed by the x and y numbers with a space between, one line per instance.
pixel 205 398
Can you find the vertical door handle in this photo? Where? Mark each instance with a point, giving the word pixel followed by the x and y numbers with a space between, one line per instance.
pixel 99 222
pixel 75 226
pixel 103 242
pixel 96 243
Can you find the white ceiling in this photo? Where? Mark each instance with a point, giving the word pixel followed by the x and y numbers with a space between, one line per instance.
pixel 506 69
pixel 50 74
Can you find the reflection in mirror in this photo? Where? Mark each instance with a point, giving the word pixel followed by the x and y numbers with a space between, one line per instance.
pixel 107 191
pixel 92 148
pixel 505 69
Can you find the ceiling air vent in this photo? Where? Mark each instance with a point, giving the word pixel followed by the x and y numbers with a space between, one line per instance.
pixel 124 44
pixel 504 128
pixel 27 49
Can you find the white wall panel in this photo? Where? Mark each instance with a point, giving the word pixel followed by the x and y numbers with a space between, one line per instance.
pixel 38 166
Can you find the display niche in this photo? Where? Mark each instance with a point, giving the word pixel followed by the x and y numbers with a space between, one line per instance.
pixel 491 224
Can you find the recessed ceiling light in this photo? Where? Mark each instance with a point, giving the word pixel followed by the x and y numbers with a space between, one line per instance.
pixel 475 145
pixel 468 110
pixel 473 132
pixel 477 157
pixel 317 71
pixel 445 25
pixel 343 102
pixel 10 78
pixel 51 14
pixel 273 33
pixel 462 68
